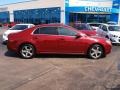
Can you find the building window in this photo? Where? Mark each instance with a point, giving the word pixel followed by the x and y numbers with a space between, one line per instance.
pixel 38 16
pixel 4 17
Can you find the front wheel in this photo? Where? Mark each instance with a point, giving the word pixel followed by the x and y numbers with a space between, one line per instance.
pixel 96 51
pixel 27 51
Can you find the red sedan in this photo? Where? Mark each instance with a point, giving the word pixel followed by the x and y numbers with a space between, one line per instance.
pixel 57 39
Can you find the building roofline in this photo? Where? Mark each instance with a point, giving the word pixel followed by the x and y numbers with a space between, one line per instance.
pixel 18 2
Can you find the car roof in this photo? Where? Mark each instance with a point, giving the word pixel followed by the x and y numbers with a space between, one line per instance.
pixel 24 24
pixel 94 23
pixel 52 24
pixel 110 24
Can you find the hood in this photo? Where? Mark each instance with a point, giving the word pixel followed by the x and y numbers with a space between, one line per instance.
pixel 89 32
pixel 97 38
pixel 11 31
pixel 117 33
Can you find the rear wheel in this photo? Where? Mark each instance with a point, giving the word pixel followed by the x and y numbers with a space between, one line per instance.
pixel 96 51
pixel 27 51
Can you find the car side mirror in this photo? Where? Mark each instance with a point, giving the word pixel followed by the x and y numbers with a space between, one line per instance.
pixel 77 36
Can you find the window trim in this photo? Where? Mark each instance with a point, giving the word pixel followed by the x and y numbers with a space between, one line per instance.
pixel 42 27
pixel 106 28
pixel 51 34
pixel 66 28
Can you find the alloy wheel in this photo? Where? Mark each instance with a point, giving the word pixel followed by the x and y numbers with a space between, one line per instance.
pixel 96 51
pixel 27 51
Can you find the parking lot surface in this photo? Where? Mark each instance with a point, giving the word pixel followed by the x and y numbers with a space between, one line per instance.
pixel 59 72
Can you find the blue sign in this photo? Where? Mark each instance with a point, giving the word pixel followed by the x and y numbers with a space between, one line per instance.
pixel 97 9
pixel 89 9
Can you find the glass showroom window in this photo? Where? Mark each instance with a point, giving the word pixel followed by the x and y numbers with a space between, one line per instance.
pixel 38 16
pixel 4 17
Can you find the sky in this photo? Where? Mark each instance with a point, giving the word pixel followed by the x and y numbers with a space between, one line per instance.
pixel 2 2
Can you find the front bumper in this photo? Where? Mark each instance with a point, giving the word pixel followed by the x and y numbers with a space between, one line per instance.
pixel 108 48
pixel 115 40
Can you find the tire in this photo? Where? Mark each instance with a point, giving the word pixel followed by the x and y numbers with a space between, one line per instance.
pixel 96 51
pixel 27 51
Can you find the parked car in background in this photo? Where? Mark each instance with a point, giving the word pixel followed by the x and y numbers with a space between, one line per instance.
pixel 11 24
pixel 95 25
pixel 57 39
pixel 16 28
pixel 1 24
pixel 85 28
pixel 112 23
pixel 111 32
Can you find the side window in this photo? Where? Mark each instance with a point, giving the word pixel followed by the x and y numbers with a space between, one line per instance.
pixel 47 30
pixel 100 26
pixel 65 31
pixel 37 31
pixel 104 28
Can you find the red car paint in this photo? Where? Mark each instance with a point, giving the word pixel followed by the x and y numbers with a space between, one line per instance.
pixel 85 28
pixel 89 32
pixel 58 44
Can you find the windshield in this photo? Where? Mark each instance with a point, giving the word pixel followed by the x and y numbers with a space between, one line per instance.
pixel 114 28
pixel 83 27
pixel 96 25
pixel 19 27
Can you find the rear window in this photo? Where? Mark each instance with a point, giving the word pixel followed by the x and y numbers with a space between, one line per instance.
pixel 96 25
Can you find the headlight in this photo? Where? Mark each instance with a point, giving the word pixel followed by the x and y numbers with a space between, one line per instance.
pixel 108 41
pixel 113 35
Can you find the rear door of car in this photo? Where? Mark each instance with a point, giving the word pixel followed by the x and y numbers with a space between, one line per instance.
pixel 105 31
pixel 46 39
pixel 99 30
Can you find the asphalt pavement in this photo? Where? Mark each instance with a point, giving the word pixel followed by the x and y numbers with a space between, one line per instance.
pixel 59 72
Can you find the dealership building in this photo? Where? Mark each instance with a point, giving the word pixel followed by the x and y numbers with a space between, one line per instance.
pixel 61 11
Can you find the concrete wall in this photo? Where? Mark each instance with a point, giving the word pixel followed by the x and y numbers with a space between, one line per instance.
pixel 33 4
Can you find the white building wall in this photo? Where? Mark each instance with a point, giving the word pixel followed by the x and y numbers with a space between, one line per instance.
pixel 33 4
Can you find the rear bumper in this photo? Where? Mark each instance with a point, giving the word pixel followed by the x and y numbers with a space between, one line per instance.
pixel 11 46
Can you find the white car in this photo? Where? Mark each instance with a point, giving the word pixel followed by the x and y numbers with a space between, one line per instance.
pixel 95 25
pixel 112 32
pixel 15 29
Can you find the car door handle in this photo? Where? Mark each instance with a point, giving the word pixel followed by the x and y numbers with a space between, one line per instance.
pixel 61 39
pixel 35 37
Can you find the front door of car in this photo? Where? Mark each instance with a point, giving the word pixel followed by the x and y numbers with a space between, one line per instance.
pixel 46 39
pixel 68 43
pixel 104 31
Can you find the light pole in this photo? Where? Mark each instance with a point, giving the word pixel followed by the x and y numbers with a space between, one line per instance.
pixel 119 15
